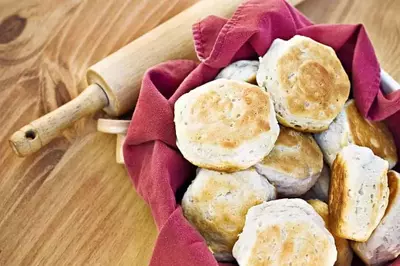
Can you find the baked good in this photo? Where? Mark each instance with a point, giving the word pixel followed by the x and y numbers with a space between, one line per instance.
pixel 384 243
pixel 244 70
pixel 350 127
pixel 225 125
pixel 284 232
pixel 345 254
pixel 294 164
pixel 216 204
pixel 358 194
pixel 320 190
pixel 307 83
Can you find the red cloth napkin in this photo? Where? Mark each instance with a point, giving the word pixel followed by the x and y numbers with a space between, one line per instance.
pixel 158 170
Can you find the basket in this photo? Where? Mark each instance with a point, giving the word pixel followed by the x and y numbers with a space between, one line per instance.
pixel 155 165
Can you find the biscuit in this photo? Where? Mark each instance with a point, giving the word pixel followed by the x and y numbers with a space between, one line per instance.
pixel 284 232
pixel 384 243
pixel 350 127
pixel 294 164
pixel 307 83
pixel 225 125
pixel 216 204
pixel 358 194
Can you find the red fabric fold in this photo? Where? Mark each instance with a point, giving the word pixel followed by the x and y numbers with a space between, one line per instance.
pixel 158 170
pixel 184 244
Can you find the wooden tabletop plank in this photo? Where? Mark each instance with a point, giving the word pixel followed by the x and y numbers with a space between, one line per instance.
pixel 71 204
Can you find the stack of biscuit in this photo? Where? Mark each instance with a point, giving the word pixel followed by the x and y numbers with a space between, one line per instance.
pixel 280 128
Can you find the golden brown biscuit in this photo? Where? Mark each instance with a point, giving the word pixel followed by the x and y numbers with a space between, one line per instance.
pixel 358 193
pixel 216 204
pixel 350 127
pixel 384 243
pixel 345 253
pixel 307 83
pixel 294 164
pixel 284 232
pixel 225 125
pixel 374 135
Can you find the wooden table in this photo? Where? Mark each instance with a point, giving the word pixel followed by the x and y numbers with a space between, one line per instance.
pixel 71 203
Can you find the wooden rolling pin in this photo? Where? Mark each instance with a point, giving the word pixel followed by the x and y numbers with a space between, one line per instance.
pixel 114 82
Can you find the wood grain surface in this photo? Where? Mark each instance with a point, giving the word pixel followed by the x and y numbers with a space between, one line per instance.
pixel 71 204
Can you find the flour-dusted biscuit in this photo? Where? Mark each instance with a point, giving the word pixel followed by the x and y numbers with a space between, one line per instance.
pixel 216 203
pixel 345 254
pixel 384 243
pixel 358 194
pixel 294 164
pixel 284 232
pixel 350 127
pixel 307 83
pixel 320 190
pixel 244 70
pixel 225 125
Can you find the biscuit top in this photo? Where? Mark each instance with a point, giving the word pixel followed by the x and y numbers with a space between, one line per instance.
pixel 296 154
pixel 216 203
pixel 226 113
pixel 394 188
pixel 285 232
pixel 292 242
pixel 225 218
pixel 374 135
pixel 313 79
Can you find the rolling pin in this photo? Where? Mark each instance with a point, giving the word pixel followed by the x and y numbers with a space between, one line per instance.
pixel 114 82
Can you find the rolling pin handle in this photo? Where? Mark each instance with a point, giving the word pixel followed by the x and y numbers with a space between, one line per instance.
pixel 40 132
